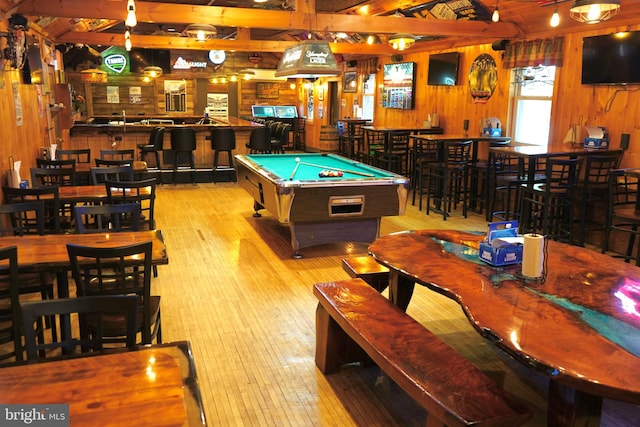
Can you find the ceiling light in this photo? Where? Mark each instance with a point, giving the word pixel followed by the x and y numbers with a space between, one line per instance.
pixel 401 41
pixel 555 18
pixel 260 1
pixel 246 73
pixel 127 44
pixel 496 14
pixel 152 71
pixel 131 20
pixel 594 11
pixel 201 32
pixel 93 75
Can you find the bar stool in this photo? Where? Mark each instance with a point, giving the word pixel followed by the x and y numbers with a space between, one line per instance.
pixel 447 180
pixel 260 140
pixel 154 145
pixel 183 142
pixel 223 139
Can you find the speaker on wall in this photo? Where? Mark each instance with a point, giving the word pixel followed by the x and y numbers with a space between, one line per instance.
pixel 352 63
pixel 499 45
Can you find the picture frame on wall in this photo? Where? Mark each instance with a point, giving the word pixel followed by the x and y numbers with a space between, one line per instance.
pixel 350 82
pixel 320 94
pixel 267 90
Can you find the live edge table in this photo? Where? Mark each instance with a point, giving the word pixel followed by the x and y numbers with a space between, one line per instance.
pixel 152 386
pixel 320 210
pixel 580 327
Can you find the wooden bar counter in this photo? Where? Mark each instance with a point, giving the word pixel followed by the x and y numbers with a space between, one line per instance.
pixel 100 135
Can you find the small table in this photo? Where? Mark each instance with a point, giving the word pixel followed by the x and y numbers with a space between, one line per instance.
pixel 581 327
pixel 322 210
pixel 155 385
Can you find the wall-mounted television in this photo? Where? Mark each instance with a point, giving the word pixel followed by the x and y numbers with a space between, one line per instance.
pixel 611 59
pixel 399 85
pixel 443 69
pixel 140 58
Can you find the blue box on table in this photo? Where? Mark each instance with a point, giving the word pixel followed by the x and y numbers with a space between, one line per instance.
pixel 598 137
pixel 502 245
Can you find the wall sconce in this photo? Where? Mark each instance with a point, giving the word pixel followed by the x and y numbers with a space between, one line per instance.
pixel 401 41
pixel 201 32
pixel 594 11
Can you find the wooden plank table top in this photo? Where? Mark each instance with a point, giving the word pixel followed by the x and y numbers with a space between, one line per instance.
pixel 153 386
pixel 73 194
pixel 580 327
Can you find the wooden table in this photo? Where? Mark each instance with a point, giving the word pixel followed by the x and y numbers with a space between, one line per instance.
pixel 153 386
pixel 49 252
pixel 581 327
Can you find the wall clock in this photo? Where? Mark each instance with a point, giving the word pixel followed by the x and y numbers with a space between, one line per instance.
pixel 217 56
pixel 483 78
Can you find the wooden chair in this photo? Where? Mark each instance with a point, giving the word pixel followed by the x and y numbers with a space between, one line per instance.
pixel 82 155
pixel 394 156
pixel 141 192
pixel 124 270
pixel 100 163
pixel 117 154
pixel 96 317
pixel 623 216
pixel 447 179
pixel 10 320
pixel 107 218
pixel 111 173
pixel 49 195
pixel 41 176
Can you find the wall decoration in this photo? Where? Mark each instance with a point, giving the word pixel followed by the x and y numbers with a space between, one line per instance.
pixel 113 94
pixel 350 82
pixel 320 93
pixel 265 90
pixel 483 78
pixel 175 95
pixel 135 95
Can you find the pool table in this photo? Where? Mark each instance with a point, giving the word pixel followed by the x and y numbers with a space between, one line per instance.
pixel 319 209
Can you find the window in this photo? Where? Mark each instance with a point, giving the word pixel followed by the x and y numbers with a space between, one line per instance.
pixel 368 91
pixel 531 104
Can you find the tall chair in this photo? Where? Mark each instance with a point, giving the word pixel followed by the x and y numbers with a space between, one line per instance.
pixel 547 207
pixel 623 217
pixel 154 145
pixel 260 140
pixel 424 153
pixel 592 193
pixel 223 140
pixel 107 218
pixel 352 139
pixel 299 133
pixel 447 179
pixel 124 270
pixel 141 192
pixel 394 156
pixel 373 141
pixel 10 319
pixel 183 144
pixel 96 318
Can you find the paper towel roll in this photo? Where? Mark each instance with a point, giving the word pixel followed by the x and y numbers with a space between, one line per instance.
pixel 533 255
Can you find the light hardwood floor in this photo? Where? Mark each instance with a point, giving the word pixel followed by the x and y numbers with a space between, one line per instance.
pixel 232 289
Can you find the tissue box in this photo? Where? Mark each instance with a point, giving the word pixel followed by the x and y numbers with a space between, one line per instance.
pixel 502 253
pixel 598 137
pixel 492 131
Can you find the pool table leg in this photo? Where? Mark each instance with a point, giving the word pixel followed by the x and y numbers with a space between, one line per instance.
pixel 256 207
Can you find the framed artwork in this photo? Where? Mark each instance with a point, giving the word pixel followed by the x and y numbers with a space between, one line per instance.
pixel 320 94
pixel 266 90
pixel 350 82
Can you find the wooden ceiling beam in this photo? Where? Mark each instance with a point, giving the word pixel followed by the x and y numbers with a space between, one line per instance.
pixel 267 19
pixel 167 42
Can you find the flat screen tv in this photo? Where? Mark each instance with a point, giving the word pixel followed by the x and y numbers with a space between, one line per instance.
pixel 611 59
pixel 443 69
pixel 286 111
pixel 140 58
pixel 399 85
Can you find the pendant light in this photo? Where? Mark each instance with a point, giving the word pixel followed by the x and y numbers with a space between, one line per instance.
pixel 496 14
pixel 555 18
pixel 594 11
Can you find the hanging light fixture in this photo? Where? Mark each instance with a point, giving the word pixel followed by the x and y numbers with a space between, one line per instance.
pixel 402 41
pixel 594 11
pixel 127 40
pixel 131 20
pixel 201 32
pixel 246 73
pixel 496 14
pixel 152 71
pixel 555 18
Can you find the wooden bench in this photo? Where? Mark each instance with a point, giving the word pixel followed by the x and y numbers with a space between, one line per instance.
pixel 352 317
pixel 368 269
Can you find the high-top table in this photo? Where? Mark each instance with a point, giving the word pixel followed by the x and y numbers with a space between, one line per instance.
pixel 153 386
pixel 580 327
